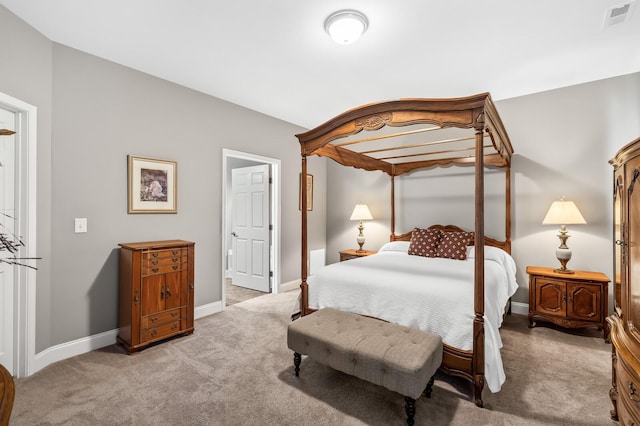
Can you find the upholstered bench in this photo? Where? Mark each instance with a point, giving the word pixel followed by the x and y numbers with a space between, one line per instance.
pixel 401 359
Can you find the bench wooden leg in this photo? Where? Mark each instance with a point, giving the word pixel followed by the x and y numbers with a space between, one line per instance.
pixel 410 409
pixel 297 358
pixel 429 389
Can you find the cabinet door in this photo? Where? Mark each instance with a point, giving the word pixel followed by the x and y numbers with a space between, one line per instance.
pixel 583 301
pixel 618 237
pixel 152 296
pixel 632 304
pixel 174 290
pixel 550 297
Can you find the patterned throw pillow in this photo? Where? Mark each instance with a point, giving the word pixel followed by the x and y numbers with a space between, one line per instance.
pixel 453 245
pixel 424 242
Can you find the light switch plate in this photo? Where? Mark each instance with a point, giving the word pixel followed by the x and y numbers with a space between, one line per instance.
pixel 80 225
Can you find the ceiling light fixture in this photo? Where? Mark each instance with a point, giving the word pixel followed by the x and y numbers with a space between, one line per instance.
pixel 346 26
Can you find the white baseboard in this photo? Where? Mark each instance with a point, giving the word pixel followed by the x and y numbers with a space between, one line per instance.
pixel 208 309
pixel 520 308
pixel 76 347
pixel 91 343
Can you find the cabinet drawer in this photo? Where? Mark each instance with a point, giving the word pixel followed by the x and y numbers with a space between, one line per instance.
pixel 628 384
pixel 625 416
pixel 156 319
pixel 161 331
pixel 163 265
pixel 163 254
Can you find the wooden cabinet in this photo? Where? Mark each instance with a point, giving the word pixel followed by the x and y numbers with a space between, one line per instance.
pixel 156 292
pixel 569 300
pixel 354 253
pixel 625 321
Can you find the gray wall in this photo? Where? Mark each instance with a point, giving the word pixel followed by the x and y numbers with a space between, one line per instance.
pixel 26 74
pixel 562 139
pixel 92 113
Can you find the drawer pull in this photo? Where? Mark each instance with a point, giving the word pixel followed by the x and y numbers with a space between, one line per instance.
pixel 176 252
pixel 174 314
pixel 135 296
pixel 154 270
pixel 154 319
pixel 175 259
pixel 153 333
pixel 154 261
pixel 154 254
pixel 174 327
pixel 168 292
pixel 174 267
pixel 633 393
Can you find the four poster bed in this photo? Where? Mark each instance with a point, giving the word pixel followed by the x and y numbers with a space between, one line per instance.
pixel 457 131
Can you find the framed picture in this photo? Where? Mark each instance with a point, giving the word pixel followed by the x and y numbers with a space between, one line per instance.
pixel 152 185
pixel 309 188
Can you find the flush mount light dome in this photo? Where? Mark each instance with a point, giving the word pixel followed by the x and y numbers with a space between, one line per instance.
pixel 346 26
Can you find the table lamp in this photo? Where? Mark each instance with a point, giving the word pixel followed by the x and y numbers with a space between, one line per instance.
pixel 563 212
pixel 361 212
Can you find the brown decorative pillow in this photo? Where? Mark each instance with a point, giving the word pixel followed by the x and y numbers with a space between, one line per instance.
pixel 453 245
pixel 424 242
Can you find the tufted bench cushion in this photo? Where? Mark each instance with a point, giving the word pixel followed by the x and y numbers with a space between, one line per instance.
pixel 401 359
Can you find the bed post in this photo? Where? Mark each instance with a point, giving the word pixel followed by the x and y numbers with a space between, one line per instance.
pixel 393 207
pixel 478 320
pixel 304 287
pixel 507 231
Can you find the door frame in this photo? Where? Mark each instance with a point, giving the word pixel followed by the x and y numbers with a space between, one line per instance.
pixel 24 317
pixel 274 211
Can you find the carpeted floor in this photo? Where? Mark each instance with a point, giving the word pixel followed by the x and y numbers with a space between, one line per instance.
pixel 236 370
pixel 236 294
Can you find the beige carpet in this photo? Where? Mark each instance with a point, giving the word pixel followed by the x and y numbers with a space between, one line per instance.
pixel 236 370
pixel 236 294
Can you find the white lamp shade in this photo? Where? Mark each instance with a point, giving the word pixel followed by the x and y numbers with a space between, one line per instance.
pixel 346 26
pixel 563 212
pixel 361 212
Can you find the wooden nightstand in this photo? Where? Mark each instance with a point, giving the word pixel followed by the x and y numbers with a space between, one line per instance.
pixel 353 253
pixel 568 300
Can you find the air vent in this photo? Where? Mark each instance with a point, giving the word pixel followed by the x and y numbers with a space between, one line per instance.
pixel 618 14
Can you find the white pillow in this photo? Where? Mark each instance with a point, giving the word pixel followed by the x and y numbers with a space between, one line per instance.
pixel 402 246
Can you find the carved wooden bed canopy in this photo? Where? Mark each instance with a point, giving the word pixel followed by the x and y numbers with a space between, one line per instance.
pixel 435 132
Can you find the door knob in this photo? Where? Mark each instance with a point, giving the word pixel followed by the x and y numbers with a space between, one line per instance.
pixel 234 234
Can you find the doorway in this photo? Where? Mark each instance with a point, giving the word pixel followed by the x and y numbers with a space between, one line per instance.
pixel 236 160
pixel 18 328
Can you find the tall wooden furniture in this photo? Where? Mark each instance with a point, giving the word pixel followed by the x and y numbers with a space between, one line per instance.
pixel 7 393
pixel 156 292
pixel 568 300
pixel 625 322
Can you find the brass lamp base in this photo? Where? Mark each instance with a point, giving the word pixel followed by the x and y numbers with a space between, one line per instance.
pixel 360 238
pixel 563 254
pixel 564 271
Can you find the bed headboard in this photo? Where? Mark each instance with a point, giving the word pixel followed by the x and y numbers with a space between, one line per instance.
pixel 504 245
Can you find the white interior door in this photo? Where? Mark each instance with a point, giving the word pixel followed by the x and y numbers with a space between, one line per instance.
pixel 7 227
pixel 250 227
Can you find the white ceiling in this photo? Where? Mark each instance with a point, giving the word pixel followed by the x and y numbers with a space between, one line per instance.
pixel 273 56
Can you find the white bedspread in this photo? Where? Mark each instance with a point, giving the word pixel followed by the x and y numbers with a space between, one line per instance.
pixel 432 294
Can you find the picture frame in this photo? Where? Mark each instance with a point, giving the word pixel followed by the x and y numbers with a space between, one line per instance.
pixel 309 189
pixel 152 185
